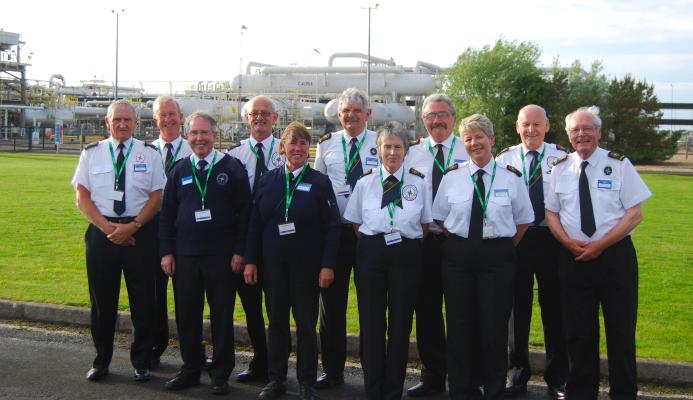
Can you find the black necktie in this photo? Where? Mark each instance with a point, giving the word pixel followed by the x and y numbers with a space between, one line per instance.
pixel 357 169
pixel 476 221
pixel 587 223
pixel 437 173
pixel 201 173
pixel 536 189
pixel 169 155
pixel 260 167
pixel 119 205
pixel 391 192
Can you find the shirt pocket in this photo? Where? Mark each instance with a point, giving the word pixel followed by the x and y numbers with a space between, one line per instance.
pixel 141 175
pixel 460 209
pixel 607 193
pixel 101 176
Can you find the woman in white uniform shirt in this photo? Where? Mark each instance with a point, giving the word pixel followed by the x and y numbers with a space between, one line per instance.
pixel 484 208
pixel 390 211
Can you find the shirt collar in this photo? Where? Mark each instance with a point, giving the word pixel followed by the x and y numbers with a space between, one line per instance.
pixel 488 168
pixel 347 137
pixel 593 159
pixel 116 143
pixel 208 158
pixel 174 143
pixel 266 143
pixel 397 174
pixel 525 150
pixel 447 143
pixel 297 171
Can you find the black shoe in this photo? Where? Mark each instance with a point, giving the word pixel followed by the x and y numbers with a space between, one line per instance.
pixel 96 374
pixel 326 381
pixel 425 389
pixel 207 365
pixel 512 389
pixel 305 392
pixel 557 391
pixel 182 381
pixel 272 390
pixel 220 388
pixel 251 375
pixel 142 375
pixel 154 362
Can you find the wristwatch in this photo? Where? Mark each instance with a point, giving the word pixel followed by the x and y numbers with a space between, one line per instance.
pixel 137 223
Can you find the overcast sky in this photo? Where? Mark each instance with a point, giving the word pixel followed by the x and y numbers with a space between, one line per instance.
pixel 201 41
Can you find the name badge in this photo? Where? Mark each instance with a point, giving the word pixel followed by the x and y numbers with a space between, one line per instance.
pixel 487 231
pixel 304 186
pixel 500 192
pixel 140 167
pixel 459 161
pixel 392 238
pixel 186 180
pixel 115 195
pixel 287 228
pixel 603 184
pixel 342 190
pixel 372 161
pixel 203 215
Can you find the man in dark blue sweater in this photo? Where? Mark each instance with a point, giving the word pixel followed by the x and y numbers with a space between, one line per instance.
pixel 202 231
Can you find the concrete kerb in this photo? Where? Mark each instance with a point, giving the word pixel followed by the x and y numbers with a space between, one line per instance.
pixel 665 372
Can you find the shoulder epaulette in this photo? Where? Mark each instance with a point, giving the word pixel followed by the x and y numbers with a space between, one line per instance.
pixel 366 173
pixel 514 171
pixel 561 148
pixel 232 146
pixel 618 156
pixel 503 151
pixel 151 145
pixel 325 137
pixel 451 168
pixel 413 171
pixel 560 160
pixel 91 145
pixel 414 142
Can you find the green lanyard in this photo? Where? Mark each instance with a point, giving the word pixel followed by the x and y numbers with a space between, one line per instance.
pixel 348 165
pixel 203 192
pixel 119 172
pixel 269 156
pixel 391 206
pixel 290 191
pixel 536 167
pixel 447 163
pixel 484 203
pixel 168 166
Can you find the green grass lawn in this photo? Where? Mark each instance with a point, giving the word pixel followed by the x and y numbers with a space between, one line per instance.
pixel 42 251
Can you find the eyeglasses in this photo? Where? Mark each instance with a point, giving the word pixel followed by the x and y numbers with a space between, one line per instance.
pixel 432 115
pixel 263 114
pixel 584 129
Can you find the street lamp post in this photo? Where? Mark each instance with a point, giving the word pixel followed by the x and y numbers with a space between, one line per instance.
pixel 368 67
pixel 240 75
pixel 117 14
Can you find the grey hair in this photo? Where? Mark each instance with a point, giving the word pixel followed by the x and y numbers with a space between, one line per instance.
pixel 439 97
pixel 163 99
pixel 200 114
pixel 477 122
pixel 396 129
pixel 593 110
pixel 115 103
pixel 247 107
pixel 543 111
pixel 352 95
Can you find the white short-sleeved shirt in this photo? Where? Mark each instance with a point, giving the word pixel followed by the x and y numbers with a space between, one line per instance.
pixel 615 186
pixel 364 206
pixel 329 159
pixel 508 203
pixel 144 174
pixel 247 157
pixel 512 156
pixel 185 150
pixel 421 158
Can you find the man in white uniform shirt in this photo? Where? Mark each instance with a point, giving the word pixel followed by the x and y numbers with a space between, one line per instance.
pixel 432 156
pixel 343 156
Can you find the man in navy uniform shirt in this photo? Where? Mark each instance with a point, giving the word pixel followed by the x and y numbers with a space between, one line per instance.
pixel 202 239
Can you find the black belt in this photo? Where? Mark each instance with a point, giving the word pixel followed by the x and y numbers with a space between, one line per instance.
pixel 120 220
pixel 538 228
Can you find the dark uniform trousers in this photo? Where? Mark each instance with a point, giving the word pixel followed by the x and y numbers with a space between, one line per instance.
pixel 333 306
pixel 160 299
pixel 478 282
pixel 195 276
pixel 105 261
pixel 430 326
pixel 537 254
pixel 386 284
pixel 251 299
pixel 292 288
pixel 612 280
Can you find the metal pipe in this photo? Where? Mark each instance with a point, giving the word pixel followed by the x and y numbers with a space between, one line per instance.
pixel 329 70
pixel 377 60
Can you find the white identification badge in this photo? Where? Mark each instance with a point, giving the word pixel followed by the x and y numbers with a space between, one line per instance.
pixel 342 190
pixel 373 161
pixel 203 215
pixel 140 167
pixel 487 231
pixel 304 187
pixel 115 195
pixel 500 192
pixel 603 184
pixel 392 238
pixel 287 228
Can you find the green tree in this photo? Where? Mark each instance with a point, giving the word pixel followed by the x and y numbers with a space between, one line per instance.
pixel 630 118
pixel 497 81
